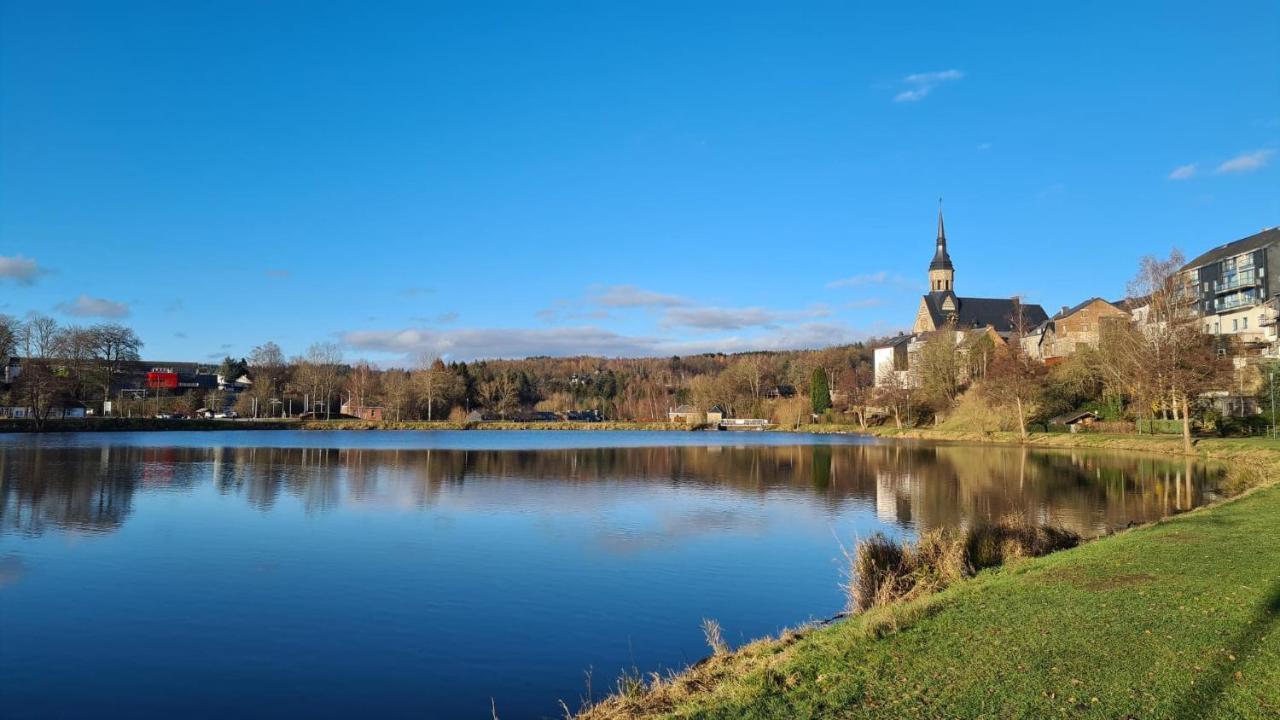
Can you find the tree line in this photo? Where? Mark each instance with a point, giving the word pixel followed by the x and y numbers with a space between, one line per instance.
pixel 71 363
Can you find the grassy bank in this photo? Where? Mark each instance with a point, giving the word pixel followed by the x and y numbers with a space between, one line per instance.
pixel 1179 619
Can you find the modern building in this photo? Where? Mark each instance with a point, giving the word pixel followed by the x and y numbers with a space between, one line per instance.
pixel 1236 287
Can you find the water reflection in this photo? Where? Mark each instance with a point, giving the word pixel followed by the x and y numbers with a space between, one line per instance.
pixel 92 489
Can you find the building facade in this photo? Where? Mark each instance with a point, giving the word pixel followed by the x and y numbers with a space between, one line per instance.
pixel 1235 287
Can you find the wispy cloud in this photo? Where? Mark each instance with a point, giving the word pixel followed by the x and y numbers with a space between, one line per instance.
pixel 919 85
pixel 278 273
pixel 1183 172
pixel 721 319
pixel 21 270
pixel 630 296
pixel 880 277
pixel 85 306
pixel 983 147
pixel 482 343
pixel 863 304
pixel 417 291
pixel 1246 162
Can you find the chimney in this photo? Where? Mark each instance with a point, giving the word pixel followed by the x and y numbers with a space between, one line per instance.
pixel 1064 310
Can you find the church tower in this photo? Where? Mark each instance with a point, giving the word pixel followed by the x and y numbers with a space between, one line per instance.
pixel 942 274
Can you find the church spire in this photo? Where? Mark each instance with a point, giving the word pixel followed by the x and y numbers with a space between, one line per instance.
pixel 942 273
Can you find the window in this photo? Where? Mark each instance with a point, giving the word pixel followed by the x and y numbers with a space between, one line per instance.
pixel 1245 320
pixel 1235 325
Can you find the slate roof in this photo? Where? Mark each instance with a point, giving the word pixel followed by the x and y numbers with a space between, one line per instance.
pixel 1222 252
pixel 981 312
pixel 1068 418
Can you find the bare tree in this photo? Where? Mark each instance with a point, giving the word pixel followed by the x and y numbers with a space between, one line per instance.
pixel 113 345
pixel 894 391
pixel 1170 356
pixel 325 365
pixel 1014 378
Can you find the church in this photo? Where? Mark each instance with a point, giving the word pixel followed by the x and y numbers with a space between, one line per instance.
pixel 942 308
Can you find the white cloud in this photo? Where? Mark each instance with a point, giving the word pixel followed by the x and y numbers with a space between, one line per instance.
pixel 630 296
pixel 487 343
pixel 85 306
pixel 864 304
pixel 715 318
pixel 472 343
pixel 1246 162
pixel 875 278
pixel 919 85
pixel 21 270
pixel 1183 172
pixel 278 273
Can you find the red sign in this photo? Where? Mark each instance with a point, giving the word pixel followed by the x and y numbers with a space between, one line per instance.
pixel 162 380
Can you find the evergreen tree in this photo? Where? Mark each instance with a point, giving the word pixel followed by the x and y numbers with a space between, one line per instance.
pixel 819 391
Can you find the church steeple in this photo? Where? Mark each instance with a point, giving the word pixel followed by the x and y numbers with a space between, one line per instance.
pixel 942 273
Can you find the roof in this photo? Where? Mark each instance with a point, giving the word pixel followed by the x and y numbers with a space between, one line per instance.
pixel 1222 252
pixel 941 259
pixel 1077 308
pixel 895 342
pixel 685 409
pixel 1068 418
pixel 979 312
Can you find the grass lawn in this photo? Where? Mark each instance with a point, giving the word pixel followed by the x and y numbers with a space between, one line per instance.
pixel 1180 619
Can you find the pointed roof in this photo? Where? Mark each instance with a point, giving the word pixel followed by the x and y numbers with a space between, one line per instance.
pixel 941 259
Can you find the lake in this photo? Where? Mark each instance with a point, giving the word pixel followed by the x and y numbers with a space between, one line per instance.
pixel 443 574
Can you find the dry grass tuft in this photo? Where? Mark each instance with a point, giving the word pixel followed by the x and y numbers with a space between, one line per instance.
pixel 715 639
pixel 885 573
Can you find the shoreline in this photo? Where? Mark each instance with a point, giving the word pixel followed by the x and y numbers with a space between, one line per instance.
pixel 798 672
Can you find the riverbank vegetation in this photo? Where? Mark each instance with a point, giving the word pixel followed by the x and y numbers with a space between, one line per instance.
pixel 1177 619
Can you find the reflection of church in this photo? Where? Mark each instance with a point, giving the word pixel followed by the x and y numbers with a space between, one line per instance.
pixel 941 308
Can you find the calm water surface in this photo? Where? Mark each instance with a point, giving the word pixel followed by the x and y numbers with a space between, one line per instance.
pixel 424 574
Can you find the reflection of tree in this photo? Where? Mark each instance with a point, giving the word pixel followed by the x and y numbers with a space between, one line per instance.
pixel 910 484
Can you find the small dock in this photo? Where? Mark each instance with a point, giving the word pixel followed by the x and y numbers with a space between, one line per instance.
pixel 745 424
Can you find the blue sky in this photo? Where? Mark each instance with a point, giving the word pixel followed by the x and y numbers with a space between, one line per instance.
pixel 648 178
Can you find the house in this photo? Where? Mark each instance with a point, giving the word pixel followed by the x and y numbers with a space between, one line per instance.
pixel 686 414
pixel 1234 287
pixel 372 413
pixel 715 415
pixel 12 369
pixel 893 365
pixel 896 362
pixel 941 307
pixel 1062 335
pixel 60 411
pixel 1074 421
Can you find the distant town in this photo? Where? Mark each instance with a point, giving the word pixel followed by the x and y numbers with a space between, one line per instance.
pixel 1192 345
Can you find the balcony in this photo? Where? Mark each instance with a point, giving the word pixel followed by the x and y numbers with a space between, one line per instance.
pixel 1246 279
pixel 1235 303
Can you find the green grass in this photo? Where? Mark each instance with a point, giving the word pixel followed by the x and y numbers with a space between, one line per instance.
pixel 1180 619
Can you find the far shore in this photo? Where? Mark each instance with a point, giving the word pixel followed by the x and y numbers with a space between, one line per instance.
pixel 1163 444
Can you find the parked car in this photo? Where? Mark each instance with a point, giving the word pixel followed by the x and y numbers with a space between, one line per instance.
pixel 163 416
pixel 226 414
